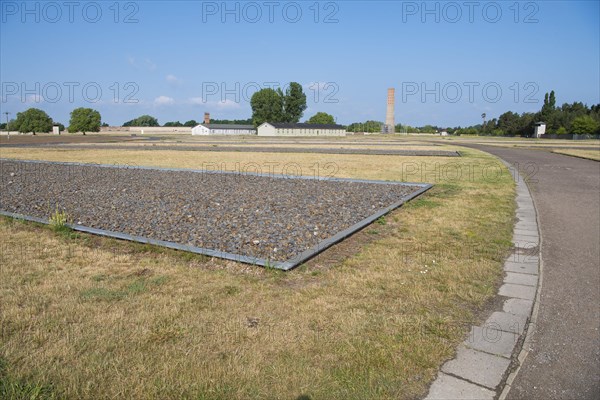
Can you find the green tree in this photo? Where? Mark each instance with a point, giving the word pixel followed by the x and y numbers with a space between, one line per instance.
pixel 144 120
pixel 267 106
pixel 428 129
pixel 561 131
pixel 321 118
pixel 84 120
pixel 548 112
pixel 509 123
pixel 294 103
pixel 190 123
pixel 176 123
pixel 33 120
pixel 232 121
pixel 368 127
pixel 585 124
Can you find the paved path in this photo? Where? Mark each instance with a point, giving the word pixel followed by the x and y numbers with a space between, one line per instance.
pixel 564 357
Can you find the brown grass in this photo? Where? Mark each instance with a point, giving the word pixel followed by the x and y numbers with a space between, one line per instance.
pixel 589 154
pixel 86 317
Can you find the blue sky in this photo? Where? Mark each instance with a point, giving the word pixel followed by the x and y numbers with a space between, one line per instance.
pixel 448 61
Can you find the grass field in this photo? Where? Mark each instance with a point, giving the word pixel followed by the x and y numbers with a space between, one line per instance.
pixel 371 318
pixel 589 154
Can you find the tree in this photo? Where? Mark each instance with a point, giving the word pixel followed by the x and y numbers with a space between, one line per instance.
pixel 176 123
pixel 190 123
pixel 561 131
pixel 33 120
pixel 294 103
pixel 548 110
pixel 267 106
pixel 509 123
pixel 368 127
pixel 84 120
pixel 526 124
pixel 232 121
pixel 144 120
pixel 585 125
pixel 321 118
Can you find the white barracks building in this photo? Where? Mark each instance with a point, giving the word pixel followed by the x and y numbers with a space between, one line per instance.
pixel 285 129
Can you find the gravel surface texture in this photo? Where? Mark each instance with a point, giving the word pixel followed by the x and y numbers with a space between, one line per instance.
pixel 253 149
pixel 266 217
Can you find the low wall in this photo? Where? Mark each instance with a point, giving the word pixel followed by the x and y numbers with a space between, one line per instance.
pixel 569 136
pixel 163 130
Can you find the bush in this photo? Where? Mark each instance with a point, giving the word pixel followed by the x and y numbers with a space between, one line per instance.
pixel 561 131
pixel 585 125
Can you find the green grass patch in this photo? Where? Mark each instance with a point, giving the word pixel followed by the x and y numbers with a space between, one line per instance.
pixel 22 389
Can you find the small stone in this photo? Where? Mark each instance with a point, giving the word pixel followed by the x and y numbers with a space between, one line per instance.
pixel 256 241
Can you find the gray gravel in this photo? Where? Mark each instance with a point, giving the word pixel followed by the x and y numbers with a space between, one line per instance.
pixel 266 217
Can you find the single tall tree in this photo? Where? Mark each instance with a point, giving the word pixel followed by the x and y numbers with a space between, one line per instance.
pixel 84 120
pixel 267 106
pixel 32 120
pixel 294 102
pixel 549 105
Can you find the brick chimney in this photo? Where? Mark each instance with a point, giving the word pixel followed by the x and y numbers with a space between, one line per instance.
pixel 206 118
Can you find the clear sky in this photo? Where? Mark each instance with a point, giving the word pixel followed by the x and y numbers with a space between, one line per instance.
pixel 448 61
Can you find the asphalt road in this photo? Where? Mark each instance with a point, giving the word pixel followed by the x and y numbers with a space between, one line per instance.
pixel 564 360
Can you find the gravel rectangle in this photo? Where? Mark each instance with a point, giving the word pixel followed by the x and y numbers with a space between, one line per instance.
pixel 261 219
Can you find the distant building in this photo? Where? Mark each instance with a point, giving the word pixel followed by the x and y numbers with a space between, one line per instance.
pixel 301 129
pixel 390 125
pixel 540 129
pixel 223 129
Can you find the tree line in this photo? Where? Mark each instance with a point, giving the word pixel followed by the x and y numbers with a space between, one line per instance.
pixel 576 118
pixel 275 105
pixel 37 121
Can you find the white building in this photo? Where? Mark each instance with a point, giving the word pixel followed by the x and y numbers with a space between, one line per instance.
pixel 285 129
pixel 223 129
pixel 540 129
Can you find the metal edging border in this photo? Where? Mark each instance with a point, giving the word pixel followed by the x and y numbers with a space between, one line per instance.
pixel 281 265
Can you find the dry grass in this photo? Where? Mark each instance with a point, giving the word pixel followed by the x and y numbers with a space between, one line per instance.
pixel 254 144
pixel 86 317
pixel 589 154
pixel 326 165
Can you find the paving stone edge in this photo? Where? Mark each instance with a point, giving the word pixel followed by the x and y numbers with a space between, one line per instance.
pixel 473 379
